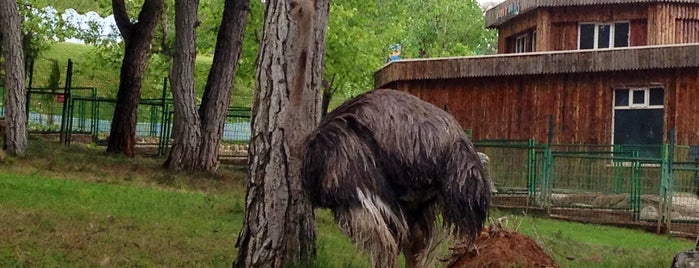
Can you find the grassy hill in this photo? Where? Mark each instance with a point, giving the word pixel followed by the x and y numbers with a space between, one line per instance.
pixel 91 71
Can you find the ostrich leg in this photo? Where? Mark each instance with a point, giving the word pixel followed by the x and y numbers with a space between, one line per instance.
pixel 371 233
pixel 420 239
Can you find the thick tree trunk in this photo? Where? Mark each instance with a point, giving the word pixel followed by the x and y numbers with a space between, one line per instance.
pixel 137 38
pixel 16 134
pixel 186 126
pixel 279 227
pixel 219 86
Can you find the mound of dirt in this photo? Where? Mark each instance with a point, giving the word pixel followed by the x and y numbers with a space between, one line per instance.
pixel 498 247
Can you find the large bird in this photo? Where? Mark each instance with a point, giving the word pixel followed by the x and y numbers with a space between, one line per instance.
pixel 387 163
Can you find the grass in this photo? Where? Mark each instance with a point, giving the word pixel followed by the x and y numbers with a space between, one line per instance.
pixel 88 71
pixel 78 206
pixel 574 244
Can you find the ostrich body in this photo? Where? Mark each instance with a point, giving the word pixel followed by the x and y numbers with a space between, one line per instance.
pixel 386 164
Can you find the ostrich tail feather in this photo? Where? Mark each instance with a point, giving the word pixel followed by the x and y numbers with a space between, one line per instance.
pixel 465 196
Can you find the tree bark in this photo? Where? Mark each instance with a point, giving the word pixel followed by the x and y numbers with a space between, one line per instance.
pixel 219 85
pixel 187 125
pixel 137 39
pixel 16 134
pixel 279 225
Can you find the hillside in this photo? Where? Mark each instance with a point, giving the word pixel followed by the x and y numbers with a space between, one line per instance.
pixel 91 71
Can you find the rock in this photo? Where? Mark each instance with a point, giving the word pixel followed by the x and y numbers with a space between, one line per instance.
pixel 686 259
pixel 649 212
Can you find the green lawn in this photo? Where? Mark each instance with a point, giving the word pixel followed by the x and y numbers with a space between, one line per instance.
pixel 78 206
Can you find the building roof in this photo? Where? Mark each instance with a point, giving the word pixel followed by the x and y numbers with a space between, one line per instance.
pixel 550 62
pixel 512 8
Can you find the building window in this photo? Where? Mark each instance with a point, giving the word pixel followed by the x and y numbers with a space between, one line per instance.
pixel 521 43
pixel 603 35
pixel 638 120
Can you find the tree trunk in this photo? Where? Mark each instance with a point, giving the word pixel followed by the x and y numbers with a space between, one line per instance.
pixel 137 38
pixel 186 126
pixel 279 225
pixel 219 86
pixel 16 134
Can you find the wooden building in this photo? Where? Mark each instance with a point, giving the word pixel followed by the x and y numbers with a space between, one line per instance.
pixel 607 71
pixel 545 25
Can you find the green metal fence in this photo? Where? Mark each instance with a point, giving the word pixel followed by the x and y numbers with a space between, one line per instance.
pixel 599 183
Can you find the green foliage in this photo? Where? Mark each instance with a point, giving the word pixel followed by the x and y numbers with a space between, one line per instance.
pixel 40 27
pixel 443 28
pixel 104 7
pixel 358 38
pixel 361 32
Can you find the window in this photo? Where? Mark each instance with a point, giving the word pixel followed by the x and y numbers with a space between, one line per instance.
pixel 603 35
pixel 638 120
pixel 521 43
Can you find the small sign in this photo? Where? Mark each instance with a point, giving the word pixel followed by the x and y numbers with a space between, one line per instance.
pixel 60 97
pixel 509 9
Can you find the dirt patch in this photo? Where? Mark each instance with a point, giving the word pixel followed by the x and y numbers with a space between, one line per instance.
pixel 498 247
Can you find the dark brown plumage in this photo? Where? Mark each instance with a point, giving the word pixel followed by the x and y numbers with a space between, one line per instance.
pixel 386 163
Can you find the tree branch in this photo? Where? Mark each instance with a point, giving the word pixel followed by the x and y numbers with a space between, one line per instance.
pixel 150 9
pixel 121 17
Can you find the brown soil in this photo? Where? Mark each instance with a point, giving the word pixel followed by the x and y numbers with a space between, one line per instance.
pixel 498 247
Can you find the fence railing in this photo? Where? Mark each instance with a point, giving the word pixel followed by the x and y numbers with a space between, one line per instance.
pixel 609 184
pixel 79 111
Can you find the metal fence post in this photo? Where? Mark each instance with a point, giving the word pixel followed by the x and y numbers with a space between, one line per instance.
pixel 618 183
pixel 547 180
pixel 66 100
pixel 666 185
pixel 636 186
pixel 531 171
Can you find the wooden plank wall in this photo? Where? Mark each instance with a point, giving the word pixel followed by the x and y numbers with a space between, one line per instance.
pixel 686 23
pixel 651 24
pixel 567 19
pixel 686 112
pixel 518 107
pixel 661 26
pixel 494 16
pixel 512 30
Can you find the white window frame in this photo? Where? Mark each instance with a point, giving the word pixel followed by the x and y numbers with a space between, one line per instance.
pixel 646 99
pixel 521 43
pixel 631 105
pixel 612 33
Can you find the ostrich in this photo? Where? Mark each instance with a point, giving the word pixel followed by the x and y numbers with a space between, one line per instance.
pixel 386 164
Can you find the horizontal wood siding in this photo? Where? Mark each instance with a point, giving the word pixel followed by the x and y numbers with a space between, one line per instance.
pixel 519 107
